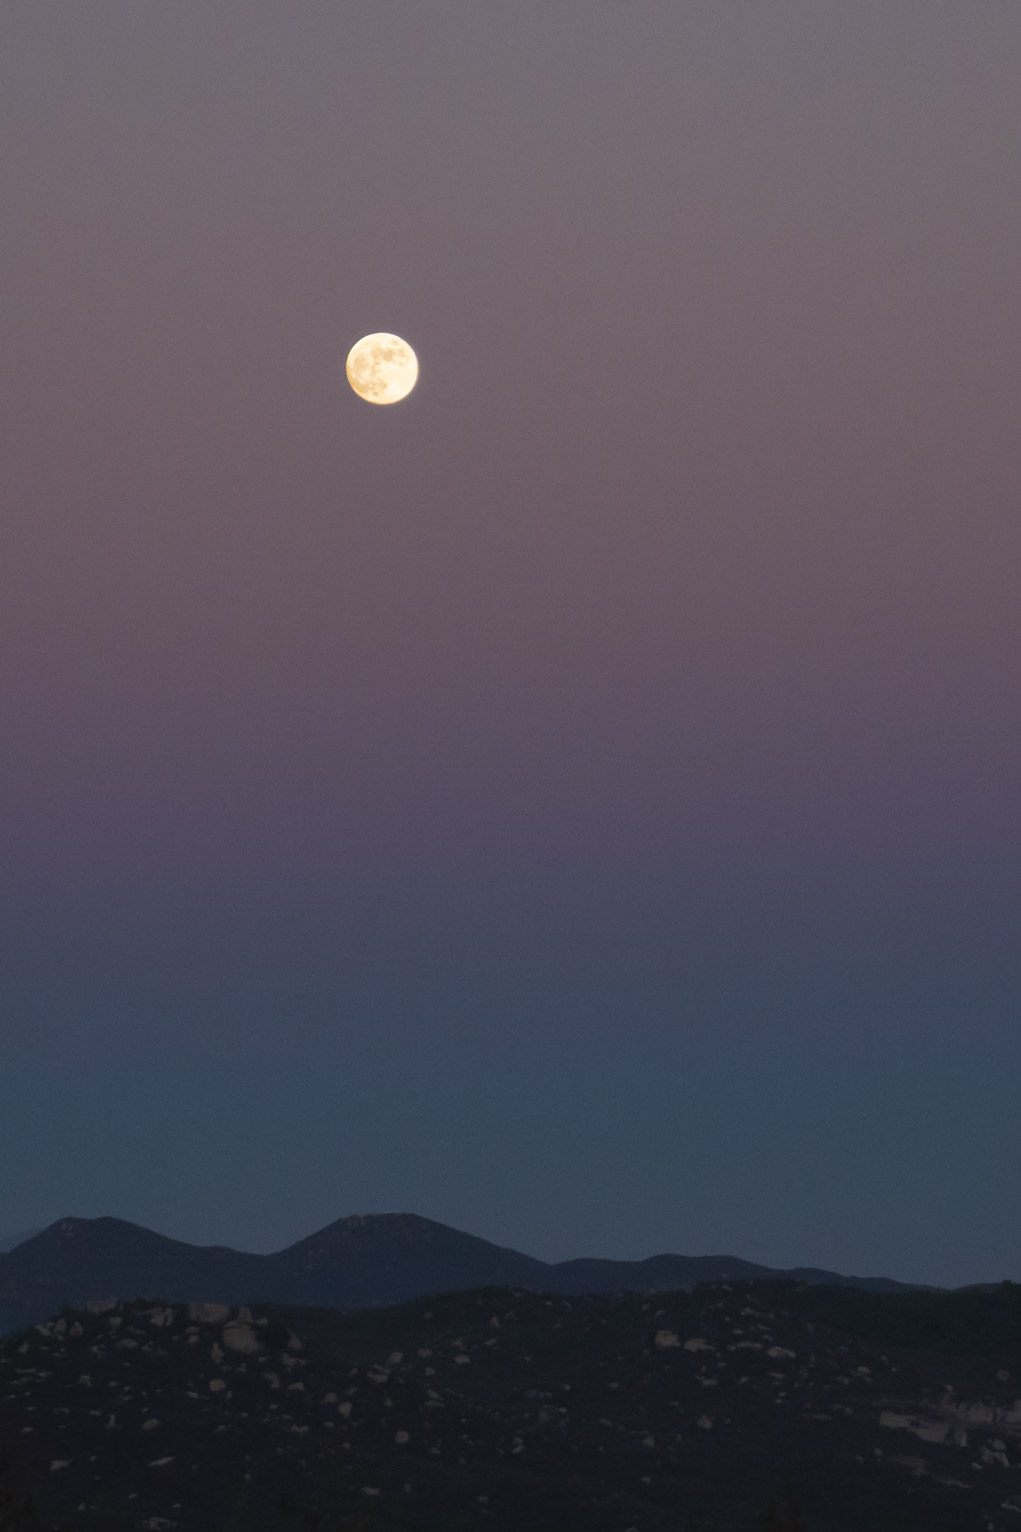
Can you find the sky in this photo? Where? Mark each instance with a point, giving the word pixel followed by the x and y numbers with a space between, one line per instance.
pixel 578 803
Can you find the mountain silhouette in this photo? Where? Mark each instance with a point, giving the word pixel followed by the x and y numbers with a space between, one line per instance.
pixel 366 1261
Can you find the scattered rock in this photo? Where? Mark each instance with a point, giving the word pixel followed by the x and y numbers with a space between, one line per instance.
pixel 209 1313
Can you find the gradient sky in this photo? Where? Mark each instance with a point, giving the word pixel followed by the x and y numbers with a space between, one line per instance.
pixel 580 803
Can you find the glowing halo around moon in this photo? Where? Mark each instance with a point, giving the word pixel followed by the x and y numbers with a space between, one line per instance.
pixel 382 368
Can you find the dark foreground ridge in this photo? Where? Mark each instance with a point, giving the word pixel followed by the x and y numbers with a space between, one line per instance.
pixel 505 1410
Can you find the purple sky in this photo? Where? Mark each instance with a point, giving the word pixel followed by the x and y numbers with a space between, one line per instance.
pixel 579 803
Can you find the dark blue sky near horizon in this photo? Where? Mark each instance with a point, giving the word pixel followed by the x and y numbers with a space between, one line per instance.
pixel 579 803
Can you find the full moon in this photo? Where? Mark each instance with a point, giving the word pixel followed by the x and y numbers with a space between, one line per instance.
pixel 382 368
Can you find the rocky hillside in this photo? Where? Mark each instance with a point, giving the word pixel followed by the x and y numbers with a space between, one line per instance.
pixel 502 1408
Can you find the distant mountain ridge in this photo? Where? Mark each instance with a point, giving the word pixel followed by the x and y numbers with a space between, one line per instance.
pixel 366 1261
